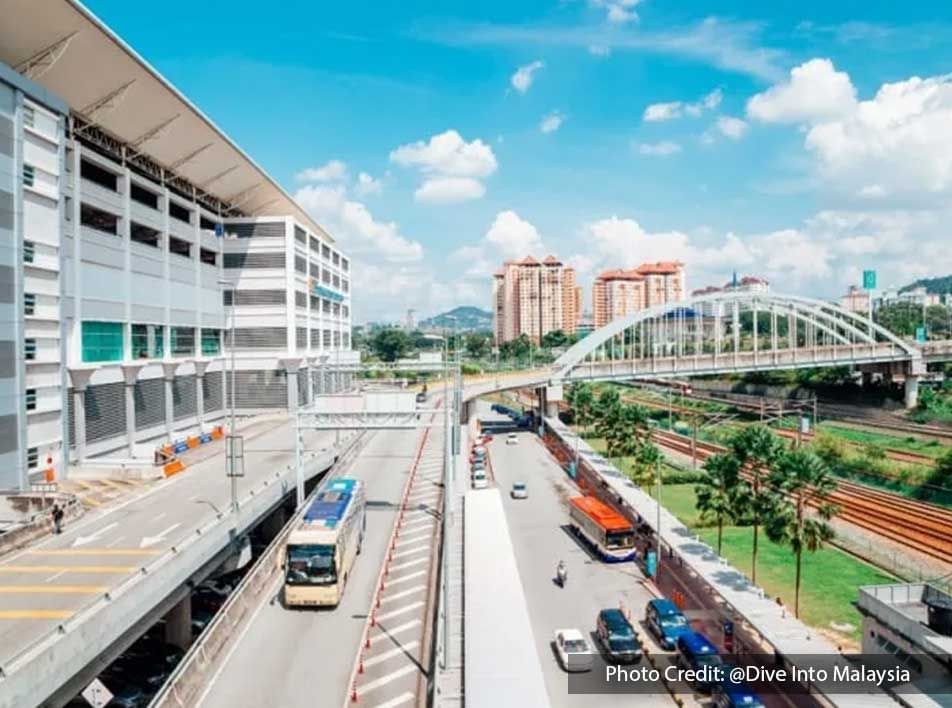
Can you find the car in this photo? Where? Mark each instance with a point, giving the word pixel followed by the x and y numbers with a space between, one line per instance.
pixel 665 621
pixel 512 439
pixel 519 490
pixel 617 636
pixel 732 693
pixel 573 651
pixel 479 451
pixel 480 481
pixel 478 465
pixel 698 653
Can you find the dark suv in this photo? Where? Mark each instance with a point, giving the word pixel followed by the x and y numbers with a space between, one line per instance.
pixel 617 636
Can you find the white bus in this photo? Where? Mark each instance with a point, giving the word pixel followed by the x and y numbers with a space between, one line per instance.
pixel 322 547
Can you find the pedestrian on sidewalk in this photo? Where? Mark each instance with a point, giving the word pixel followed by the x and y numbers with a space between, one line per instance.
pixel 57 519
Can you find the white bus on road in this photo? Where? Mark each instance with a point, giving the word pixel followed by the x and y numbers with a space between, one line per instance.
pixel 322 547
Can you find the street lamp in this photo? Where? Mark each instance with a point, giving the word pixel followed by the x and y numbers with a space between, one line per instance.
pixel 232 437
pixel 447 496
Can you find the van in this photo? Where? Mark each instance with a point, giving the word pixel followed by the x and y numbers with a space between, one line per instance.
pixel 665 621
pixel 697 653
pixel 617 636
pixel 731 693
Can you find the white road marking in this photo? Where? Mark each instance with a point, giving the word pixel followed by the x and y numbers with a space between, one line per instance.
pixel 421 549
pixel 114 543
pixel 157 517
pixel 415 588
pixel 399 700
pixel 95 536
pixel 383 680
pixel 403 627
pixel 408 564
pixel 159 537
pixel 415 535
pixel 402 611
pixel 54 576
pixel 405 578
pixel 393 652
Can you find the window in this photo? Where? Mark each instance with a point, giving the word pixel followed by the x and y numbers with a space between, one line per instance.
pixel 29 116
pixel 326 306
pixel 183 341
pixel 254 297
pixel 300 235
pixel 336 259
pixel 29 303
pixel 29 251
pixel 146 341
pixel 177 211
pixel 254 260
pixel 29 175
pixel 345 264
pixel 31 399
pixel 68 208
pixel 337 309
pixel 326 251
pixel 300 299
pixel 98 219
pixel 144 196
pixel 337 282
pixel 29 349
pixel 97 175
pixel 345 285
pixel 180 247
pixel 346 336
pixel 326 277
pixel 315 245
pixel 207 224
pixel 144 234
pixel 345 310
pixel 102 341
pixel 211 342
pixel 208 257
pixel 300 264
pixel 33 458
pixel 327 338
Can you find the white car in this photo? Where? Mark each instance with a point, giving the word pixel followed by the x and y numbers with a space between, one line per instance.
pixel 512 439
pixel 519 490
pixel 574 652
pixel 480 481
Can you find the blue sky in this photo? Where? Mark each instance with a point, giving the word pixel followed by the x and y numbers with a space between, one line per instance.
pixel 798 141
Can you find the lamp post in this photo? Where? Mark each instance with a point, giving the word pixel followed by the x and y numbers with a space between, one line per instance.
pixel 232 436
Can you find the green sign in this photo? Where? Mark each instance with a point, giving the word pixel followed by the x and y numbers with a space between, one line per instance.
pixel 869 280
pixel 920 334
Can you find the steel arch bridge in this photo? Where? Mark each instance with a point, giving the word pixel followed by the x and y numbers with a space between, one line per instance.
pixel 731 333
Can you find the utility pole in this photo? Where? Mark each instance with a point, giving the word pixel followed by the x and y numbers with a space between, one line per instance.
pixel 658 528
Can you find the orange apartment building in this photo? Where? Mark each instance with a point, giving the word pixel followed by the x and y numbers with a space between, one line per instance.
pixel 534 298
pixel 618 293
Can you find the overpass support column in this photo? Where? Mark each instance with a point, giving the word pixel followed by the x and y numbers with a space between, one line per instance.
pixel 553 396
pixel 80 380
pixel 911 391
pixel 168 370
pixel 465 412
pixel 178 623
pixel 201 366
pixel 292 366
pixel 130 373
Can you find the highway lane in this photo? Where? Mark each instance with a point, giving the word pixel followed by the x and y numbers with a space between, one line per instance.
pixel 50 581
pixel 539 541
pixel 292 658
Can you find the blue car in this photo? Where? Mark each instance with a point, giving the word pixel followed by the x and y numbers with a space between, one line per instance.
pixel 666 622
pixel 734 694
pixel 697 652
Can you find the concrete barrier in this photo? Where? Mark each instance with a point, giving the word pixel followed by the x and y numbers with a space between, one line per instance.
pixel 41 524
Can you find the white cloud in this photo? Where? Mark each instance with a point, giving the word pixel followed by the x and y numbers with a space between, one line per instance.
pixel 449 154
pixel 713 99
pixel 618 11
pixel 552 122
pixel 511 236
pixel 332 171
pixel 733 128
pixel 814 92
pixel 871 191
pixel 353 224
pixel 367 185
pixel 661 149
pixel 449 190
pixel 662 111
pixel 525 75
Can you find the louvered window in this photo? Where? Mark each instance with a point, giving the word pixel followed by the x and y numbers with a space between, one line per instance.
pixel 315 245
pixel 300 299
pixel 301 338
pixel 260 389
pixel 254 297
pixel 315 338
pixel 29 303
pixel 260 338
pixel 29 349
pixel 336 339
pixel 105 411
pixel 327 338
pixel 254 260
pixel 30 399
pixel 264 230
pixel 300 264
pixel 184 401
pixel 300 235
pixel 29 251
pixel 149 397
pixel 346 340
pixel 183 341
pixel 33 458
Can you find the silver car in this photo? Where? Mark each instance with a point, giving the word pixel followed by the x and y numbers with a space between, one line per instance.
pixel 519 490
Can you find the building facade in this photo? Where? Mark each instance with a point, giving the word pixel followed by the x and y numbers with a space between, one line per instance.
pixel 134 236
pixel 856 300
pixel 619 293
pixel 534 298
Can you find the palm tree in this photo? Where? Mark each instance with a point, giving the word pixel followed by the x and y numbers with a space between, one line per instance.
pixel 605 412
pixel 757 449
pixel 805 482
pixel 721 493
pixel 647 459
pixel 582 400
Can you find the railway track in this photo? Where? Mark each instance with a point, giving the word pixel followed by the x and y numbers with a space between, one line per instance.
pixel 919 526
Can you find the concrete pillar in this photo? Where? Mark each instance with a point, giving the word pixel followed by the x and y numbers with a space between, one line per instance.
pixel 292 366
pixel 553 394
pixel 911 391
pixel 80 379
pixel 168 371
pixel 130 373
pixel 178 623
pixel 201 365
pixel 310 381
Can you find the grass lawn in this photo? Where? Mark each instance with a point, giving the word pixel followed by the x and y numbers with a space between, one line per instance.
pixel 932 448
pixel 830 580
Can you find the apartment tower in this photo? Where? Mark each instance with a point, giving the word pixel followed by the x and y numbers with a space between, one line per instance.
pixel 534 298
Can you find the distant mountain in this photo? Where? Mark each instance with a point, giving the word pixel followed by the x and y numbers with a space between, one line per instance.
pixel 463 318
pixel 939 286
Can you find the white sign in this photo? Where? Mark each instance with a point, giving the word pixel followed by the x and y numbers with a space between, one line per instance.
pixel 96 694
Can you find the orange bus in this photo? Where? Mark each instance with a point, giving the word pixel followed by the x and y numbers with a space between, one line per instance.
pixel 609 533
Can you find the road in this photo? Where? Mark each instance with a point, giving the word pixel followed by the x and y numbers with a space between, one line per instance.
pixel 539 540
pixel 293 658
pixel 48 582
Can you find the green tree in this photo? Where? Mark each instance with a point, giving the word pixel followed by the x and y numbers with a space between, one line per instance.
pixel 721 493
pixel 802 507
pixel 582 400
pixel 517 348
pixel 757 449
pixel 390 343
pixel 646 462
pixel 477 344
pixel 555 338
pixel 604 410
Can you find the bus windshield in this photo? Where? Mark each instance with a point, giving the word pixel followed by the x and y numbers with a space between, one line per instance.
pixel 620 539
pixel 311 565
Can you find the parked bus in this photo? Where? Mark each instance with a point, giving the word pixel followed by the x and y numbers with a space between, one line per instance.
pixel 609 533
pixel 322 547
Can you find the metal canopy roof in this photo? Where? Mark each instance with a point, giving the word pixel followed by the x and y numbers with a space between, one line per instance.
pixel 63 47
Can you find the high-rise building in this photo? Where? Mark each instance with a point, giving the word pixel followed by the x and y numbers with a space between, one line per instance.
pixel 534 298
pixel 618 293
pixel 134 235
